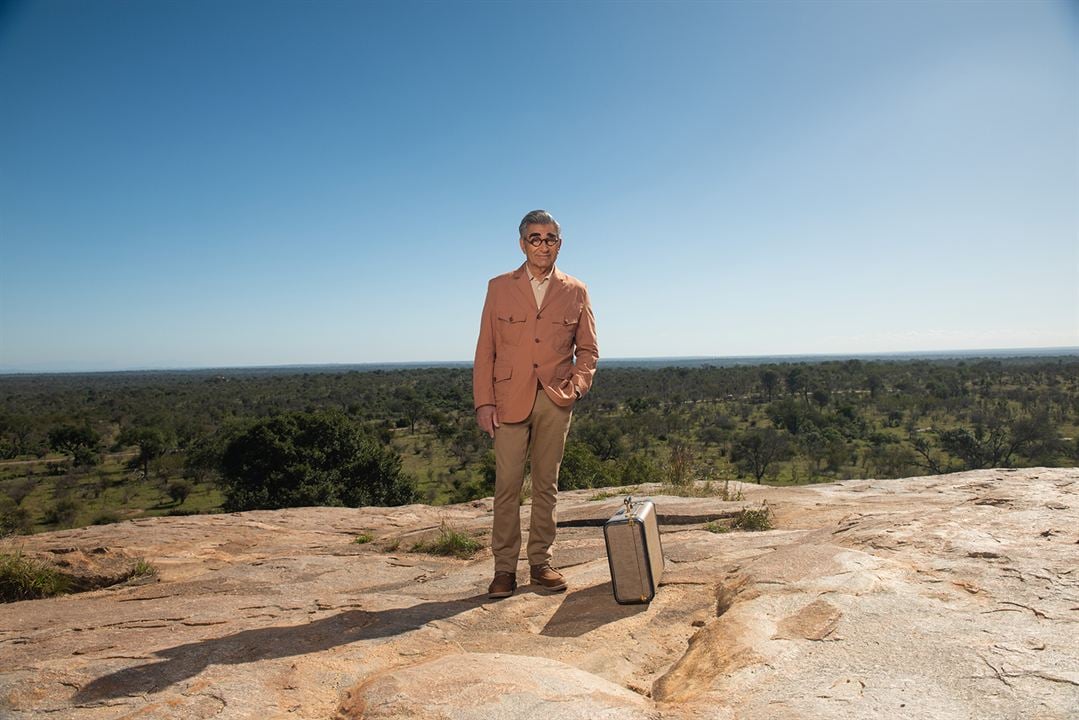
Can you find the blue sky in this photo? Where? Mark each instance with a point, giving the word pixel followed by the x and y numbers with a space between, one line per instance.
pixel 199 183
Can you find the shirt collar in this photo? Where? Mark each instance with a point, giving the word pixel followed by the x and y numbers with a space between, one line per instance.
pixel 532 278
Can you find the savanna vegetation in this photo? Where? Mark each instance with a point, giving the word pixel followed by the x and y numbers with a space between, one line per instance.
pixel 97 448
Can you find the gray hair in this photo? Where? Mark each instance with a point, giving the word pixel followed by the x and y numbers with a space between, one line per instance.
pixel 538 217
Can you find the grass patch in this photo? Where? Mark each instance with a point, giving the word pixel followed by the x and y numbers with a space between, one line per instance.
pixel 604 494
pixel 142 568
pixel 716 527
pixel 754 519
pixel 23 578
pixel 710 488
pixel 449 542
pixel 363 538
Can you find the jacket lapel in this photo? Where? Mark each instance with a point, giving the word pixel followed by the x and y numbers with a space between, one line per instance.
pixel 555 286
pixel 524 287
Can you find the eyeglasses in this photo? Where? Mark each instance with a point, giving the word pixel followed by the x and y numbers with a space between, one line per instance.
pixel 536 242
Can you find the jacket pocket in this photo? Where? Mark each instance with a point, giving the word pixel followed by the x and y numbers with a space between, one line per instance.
pixel 508 329
pixel 565 332
pixel 503 372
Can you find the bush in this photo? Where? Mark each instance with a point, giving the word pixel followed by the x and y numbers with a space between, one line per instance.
pixel 301 459
pixel 581 468
pixel 14 519
pixel 753 518
pixel 638 469
pixel 106 517
pixel 62 512
pixel 178 490
pixel 22 578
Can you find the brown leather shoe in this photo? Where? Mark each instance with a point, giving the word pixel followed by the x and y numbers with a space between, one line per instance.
pixel 502 586
pixel 548 578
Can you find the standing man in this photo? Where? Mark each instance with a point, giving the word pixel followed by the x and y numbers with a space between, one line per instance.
pixel 535 358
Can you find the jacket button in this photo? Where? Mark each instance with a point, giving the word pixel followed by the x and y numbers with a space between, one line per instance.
pixel 539 317
pixel 537 339
pixel 535 365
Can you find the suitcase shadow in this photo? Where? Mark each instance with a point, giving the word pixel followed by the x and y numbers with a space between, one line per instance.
pixel 585 610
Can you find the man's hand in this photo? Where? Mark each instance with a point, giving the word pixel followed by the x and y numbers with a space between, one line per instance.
pixel 487 418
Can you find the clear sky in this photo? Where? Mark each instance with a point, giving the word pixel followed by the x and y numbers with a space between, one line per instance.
pixel 217 183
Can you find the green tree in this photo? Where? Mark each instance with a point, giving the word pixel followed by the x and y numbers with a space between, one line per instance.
pixel 151 442
pixel 298 459
pixel 581 468
pixel 769 381
pixel 79 442
pixel 604 438
pixel 798 383
pixel 757 451
pixel 178 490
pixel 637 469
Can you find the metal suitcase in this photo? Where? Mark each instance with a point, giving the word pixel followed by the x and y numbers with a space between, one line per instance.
pixel 634 552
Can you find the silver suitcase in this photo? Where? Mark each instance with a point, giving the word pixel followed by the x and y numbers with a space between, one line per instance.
pixel 634 552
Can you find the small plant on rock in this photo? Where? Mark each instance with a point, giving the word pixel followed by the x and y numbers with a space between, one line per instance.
pixel 23 578
pixel 142 568
pixel 449 542
pixel 759 518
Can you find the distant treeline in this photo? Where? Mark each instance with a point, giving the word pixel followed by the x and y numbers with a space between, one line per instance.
pixel 356 437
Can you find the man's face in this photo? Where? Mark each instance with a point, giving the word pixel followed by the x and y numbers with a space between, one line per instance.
pixel 541 258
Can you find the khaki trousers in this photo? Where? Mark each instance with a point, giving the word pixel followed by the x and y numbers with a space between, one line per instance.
pixel 543 437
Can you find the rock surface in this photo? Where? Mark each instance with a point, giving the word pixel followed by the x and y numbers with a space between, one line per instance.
pixel 953 596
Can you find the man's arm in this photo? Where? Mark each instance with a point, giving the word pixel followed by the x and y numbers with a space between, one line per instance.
pixel 587 349
pixel 483 370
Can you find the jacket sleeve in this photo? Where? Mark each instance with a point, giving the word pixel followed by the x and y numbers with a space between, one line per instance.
pixel 587 348
pixel 483 368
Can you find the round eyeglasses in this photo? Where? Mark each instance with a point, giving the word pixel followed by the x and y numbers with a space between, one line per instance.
pixel 536 242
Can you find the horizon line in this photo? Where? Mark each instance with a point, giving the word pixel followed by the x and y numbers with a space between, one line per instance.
pixel 1050 351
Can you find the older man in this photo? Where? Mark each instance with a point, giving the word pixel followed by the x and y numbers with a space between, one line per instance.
pixel 535 358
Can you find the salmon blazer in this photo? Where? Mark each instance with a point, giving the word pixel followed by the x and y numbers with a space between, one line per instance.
pixel 522 345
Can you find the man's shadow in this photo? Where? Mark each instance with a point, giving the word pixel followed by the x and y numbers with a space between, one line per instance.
pixel 185 661
pixel 579 612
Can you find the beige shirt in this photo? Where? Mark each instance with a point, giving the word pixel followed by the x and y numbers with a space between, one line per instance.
pixel 539 287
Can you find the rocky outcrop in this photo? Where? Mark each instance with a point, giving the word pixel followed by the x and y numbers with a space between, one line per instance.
pixel 952 596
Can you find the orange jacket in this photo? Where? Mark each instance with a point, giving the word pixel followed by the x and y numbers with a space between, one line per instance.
pixel 521 344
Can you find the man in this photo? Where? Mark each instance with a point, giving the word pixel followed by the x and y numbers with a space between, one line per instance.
pixel 536 321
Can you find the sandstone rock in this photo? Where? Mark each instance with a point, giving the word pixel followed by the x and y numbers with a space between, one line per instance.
pixel 480 686
pixel 939 597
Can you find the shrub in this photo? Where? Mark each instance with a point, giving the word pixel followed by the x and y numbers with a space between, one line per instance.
pixel 581 468
pixel 178 490
pixel 62 512
pixel 106 517
pixel 638 469
pixel 754 518
pixel 23 578
pixel 680 465
pixel 14 519
pixel 363 538
pixel 298 459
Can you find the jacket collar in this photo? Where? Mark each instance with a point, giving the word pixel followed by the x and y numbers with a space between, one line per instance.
pixel 557 282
